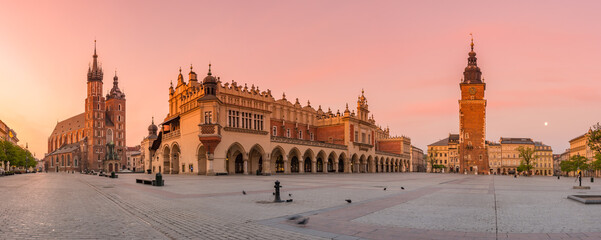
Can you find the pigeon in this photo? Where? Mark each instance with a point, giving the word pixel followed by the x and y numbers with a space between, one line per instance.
pixel 384 189
pixel 294 217
pixel 348 201
pixel 243 192
pixel 403 188
pixel 289 194
pixel 289 200
pixel 304 221
pixel 273 193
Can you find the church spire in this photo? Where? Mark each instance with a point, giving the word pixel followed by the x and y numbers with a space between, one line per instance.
pixel 95 72
pixel 472 73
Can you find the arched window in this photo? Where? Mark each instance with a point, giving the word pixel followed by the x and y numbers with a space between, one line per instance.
pixel 119 118
pixel 119 107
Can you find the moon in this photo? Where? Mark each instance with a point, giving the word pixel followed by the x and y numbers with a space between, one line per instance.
pixel 546 123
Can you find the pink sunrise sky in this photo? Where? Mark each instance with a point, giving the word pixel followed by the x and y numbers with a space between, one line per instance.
pixel 541 60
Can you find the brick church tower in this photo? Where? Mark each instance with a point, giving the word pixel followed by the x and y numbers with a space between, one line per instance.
pixel 473 156
pixel 94 116
pixel 104 121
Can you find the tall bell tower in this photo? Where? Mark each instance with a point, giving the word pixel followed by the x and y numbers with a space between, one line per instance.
pixel 473 155
pixel 94 116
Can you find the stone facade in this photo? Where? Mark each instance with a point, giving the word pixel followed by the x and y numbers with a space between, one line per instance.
pixel 418 162
pixel 216 127
pixel 134 160
pixel 80 143
pixel 579 147
pixel 446 152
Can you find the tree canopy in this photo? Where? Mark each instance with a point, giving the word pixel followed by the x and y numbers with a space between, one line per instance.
pixel 16 155
pixel 528 157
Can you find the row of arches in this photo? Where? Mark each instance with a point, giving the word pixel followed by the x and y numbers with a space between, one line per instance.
pixel 257 160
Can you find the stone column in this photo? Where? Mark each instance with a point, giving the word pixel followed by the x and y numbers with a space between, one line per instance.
pixel 347 166
pixel 301 166
pixel 245 165
pixel 266 165
pixel 313 165
pixel 286 165
pixel 325 165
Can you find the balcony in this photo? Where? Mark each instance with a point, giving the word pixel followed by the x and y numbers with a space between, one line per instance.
pixel 171 134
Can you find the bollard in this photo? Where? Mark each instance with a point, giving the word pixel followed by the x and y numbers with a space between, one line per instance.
pixel 277 191
pixel 113 174
pixel 557 176
pixel 580 179
pixel 159 179
pixel 592 179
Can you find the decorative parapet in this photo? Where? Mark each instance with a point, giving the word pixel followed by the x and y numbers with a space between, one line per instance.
pixel 171 134
pixel 407 156
pixel 307 142
pixel 242 130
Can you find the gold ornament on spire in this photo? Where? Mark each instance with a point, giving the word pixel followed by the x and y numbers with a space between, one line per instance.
pixel 472 44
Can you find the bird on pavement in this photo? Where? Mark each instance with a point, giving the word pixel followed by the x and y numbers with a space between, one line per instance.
pixel 294 217
pixel 348 201
pixel 384 189
pixel 273 193
pixel 304 221
pixel 243 192
pixel 289 200
pixel 403 188
pixel 289 194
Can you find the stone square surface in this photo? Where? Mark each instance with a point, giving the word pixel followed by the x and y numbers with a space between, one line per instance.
pixel 432 206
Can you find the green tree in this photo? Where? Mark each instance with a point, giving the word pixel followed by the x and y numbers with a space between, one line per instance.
pixel 567 166
pixel 579 163
pixel 528 157
pixel 3 145
pixel 594 143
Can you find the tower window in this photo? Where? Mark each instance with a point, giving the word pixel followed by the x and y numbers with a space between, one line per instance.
pixel 208 117
pixel 119 107
pixel 275 131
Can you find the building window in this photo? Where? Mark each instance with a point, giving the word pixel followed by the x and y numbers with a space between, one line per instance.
pixel 183 168
pixel 288 132
pixel 119 107
pixel 356 136
pixel 300 134
pixel 275 131
pixel 233 118
pixel 208 117
pixel 312 137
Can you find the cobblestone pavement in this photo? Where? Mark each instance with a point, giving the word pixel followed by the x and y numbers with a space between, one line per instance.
pixel 432 206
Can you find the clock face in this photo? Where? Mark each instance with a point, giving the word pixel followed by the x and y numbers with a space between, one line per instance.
pixel 472 90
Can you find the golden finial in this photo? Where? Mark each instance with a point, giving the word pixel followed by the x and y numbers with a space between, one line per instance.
pixel 180 70
pixel 472 44
pixel 190 67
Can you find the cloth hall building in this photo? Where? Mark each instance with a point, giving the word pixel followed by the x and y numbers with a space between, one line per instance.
pixel 217 128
